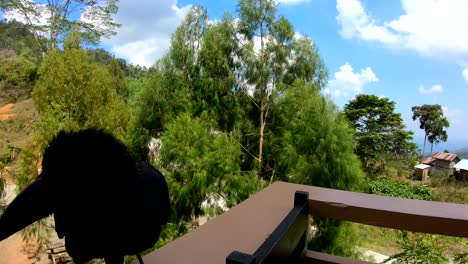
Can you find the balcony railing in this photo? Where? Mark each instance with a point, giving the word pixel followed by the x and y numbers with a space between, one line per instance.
pixel 271 226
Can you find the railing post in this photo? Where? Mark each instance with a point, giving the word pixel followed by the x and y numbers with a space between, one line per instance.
pixel 286 243
pixel 237 257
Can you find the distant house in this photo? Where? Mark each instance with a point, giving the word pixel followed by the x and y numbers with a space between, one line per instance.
pixel 442 162
pixel 422 172
pixel 462 170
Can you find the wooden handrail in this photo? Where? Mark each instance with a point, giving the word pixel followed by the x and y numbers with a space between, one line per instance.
pixel 246 227
pixel 398 213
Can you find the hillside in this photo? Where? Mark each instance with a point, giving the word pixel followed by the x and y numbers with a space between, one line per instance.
pixel 16 124
pixel 462 152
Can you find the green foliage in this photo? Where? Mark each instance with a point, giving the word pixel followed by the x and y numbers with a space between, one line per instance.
pixel 16 38
pixel 419 248
pixel 265 65
pixel 119 80
pixel 335 237
pixel 449 191
pixel 317 142
pixel 317 150
pixel 380 132
pixel 460 258
pixel 204 100
pixel 73 93
pixel 393 188
pixel 432 121
pixel 190 155
pixel 162 97
pixel 17 76
pixel 214 91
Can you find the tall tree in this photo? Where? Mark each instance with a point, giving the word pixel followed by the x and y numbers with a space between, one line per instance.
pixel 190 155
pixel 119 80
pixel 55 19
pixel 271 56
pixel 78 92
pixel 432 121
pixel 379 130
pixel 265 64
pixel 317 149
pixel 438 131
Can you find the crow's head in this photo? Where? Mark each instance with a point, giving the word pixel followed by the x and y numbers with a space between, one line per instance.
pixel 105 203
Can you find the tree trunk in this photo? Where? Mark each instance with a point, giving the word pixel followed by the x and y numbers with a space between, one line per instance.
pixel 262 104
pixel 432 146
pixel 424 147
pixel 262 128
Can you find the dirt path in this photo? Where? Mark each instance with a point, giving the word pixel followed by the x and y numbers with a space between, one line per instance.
pixel 5 112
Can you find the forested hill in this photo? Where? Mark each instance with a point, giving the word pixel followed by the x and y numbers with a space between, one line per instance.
pixel 19 59
pixel 21 56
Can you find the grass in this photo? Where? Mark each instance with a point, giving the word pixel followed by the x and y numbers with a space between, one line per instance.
pixel 378 239
pixel 384 240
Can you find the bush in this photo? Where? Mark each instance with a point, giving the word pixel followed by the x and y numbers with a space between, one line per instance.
pixel 419 248
pixel 393 188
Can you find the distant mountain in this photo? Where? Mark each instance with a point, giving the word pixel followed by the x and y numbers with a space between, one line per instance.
pixel 462 153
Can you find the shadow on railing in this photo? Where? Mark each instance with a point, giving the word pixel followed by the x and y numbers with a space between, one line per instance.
pixel 272 227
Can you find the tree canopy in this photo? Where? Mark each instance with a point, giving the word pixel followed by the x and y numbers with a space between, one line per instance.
pixel 379 131
pixel 203 100
pixel 55 19
pixel 432 121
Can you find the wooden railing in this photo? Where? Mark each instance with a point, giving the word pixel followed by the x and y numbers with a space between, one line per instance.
pixel 269 227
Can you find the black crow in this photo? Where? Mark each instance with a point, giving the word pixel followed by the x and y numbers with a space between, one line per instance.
pixel 105 203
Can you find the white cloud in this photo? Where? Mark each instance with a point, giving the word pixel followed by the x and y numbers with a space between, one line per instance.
pixel 346 82
pixel 146 29
pixel 430 27
pixel 453 116
pixel 465 74
pixel 355 22
pixel 437 88
pixel 291 2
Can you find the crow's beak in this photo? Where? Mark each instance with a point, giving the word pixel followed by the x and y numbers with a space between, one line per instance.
pixel 32 204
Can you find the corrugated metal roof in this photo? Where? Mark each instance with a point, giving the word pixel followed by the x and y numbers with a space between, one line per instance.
pixel 463 165
pixel 429 160
pixel 444 156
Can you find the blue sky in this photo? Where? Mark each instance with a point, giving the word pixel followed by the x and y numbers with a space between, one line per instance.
pixel 412 51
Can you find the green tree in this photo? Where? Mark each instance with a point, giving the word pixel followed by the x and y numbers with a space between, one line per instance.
pixel 71 93
pixel 419 248
pixel 190 155
pixel 162 97
pixel 438 131
pixel 15 38
pixel 264 65
pixel 217 89
pixel 119 80
pixel 317 150
pixel 211 84
pixel 432 121
pixel 79 93
pixel 17 77
pixel 379 131
pixel 61 17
